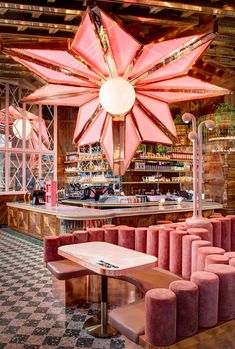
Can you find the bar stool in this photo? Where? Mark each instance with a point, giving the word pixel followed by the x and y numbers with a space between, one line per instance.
pixel 225 233
pixel 164 247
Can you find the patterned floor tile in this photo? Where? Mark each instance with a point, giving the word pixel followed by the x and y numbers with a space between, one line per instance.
pixel 30 317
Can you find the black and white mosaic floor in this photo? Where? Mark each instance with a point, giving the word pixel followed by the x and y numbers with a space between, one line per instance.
pixel 30 317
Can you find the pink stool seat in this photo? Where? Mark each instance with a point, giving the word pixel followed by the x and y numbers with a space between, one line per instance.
pixel 203 233
pixel 187 307
pixel 225 233
pixel 187 254
pixel 208 288
pixel 226 274
pixel 160 317
pixel 126 237
pixel 95 234
pixel 152 241
pixel 164 247
pixel 232 217
pixel 205 251
pixel 175 265
pixel 195 246
pixel 216 259
pixel 230 254
pixel 216 224
pixel 111 235
pixel 232 262
pixel 141 239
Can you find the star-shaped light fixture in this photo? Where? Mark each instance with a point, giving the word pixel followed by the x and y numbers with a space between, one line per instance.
pixel 123 89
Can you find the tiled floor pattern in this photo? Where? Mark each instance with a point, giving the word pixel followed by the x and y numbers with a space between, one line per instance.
pixel 30 317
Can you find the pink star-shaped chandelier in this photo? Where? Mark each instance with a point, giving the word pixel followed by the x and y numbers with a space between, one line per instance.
pixel 123 89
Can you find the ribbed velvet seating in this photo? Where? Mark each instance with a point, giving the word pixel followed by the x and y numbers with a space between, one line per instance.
pixel 95 234
pixel 50 248
pixel 160 317
pixel 206 251
pixel 164 247
pixel 232 262
pixel 202 232
pixel 140 239
pixel 126 237
pixel 65 239
pixel 216 259
pixel 232 217
pixel 152 242
pixel 208 288
pixel 216 224
pixel 80 236
pixel 187 307
pixel 230 254
pixel 225 233
pixel 187 254
pixel 175 264
pixel 195 246
pixel 111 235
pixel 226 274
pixel 181 227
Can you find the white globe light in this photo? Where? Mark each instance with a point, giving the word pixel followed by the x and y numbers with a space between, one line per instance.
pixel 117 96
pixel 18 128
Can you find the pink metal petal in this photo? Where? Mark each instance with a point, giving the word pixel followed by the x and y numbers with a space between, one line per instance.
pixel 52 76
pixel 86 45
pixel 148 129
pixel 61 59
pixel 153 53
pixel 106 141
pixel 132 140
pixel 160 110
pixel 123 45
pixel 176 68
pixel 84 114
pixel 93 134
pixel 56 95
pixel 181 89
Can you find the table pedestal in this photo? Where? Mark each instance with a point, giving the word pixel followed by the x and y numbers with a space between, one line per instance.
pixel 97 326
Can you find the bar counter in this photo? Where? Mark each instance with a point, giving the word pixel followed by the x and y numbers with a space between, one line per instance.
pixel 45 220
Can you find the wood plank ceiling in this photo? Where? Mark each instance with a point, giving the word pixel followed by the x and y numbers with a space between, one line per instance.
pixel 30 23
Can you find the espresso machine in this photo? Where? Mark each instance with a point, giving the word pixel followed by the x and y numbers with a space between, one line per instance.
pixel 39 193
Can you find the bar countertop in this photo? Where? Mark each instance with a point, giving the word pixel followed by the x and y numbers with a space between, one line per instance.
pixel 83 213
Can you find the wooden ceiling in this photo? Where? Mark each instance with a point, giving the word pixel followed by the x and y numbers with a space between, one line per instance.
pixel 30 23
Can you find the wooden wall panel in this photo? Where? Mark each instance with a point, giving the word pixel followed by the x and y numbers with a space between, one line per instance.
pixel 3 207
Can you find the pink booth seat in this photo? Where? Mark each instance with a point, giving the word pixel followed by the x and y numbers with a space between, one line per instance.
pixel 225 233
pixel 202 232
pixel 126 237
pixel 230 254
pixel 111 235
pixel 106 226
pixel 206 251
pixel 95 234
pixel 187 307
pixel 187 254
pixel 160 317
pixel 216 224
pixel 174 225
pixel 232 262
pixel 232 217
pixel 140 239
pixel 181 227
pixel 195 246
pixel 50 249
pixel 152 241
pixel 175 265
pixel 80 236
pixel 208 288
pixel 226 274
pixel 65 239
pixel 164 247
pixel 207 226
pixel 216 259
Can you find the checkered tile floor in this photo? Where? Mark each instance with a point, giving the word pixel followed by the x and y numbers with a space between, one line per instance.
pixel 30 317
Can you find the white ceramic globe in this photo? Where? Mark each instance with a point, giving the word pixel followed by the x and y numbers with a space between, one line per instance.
pixel 18 128
pixel 117 96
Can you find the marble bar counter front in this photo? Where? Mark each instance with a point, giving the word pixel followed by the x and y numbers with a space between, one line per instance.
pixel 45 220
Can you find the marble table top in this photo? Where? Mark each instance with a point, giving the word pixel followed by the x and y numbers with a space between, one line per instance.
pixel 107 259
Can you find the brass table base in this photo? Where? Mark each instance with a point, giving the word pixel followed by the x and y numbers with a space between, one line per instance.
pixel 101 331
